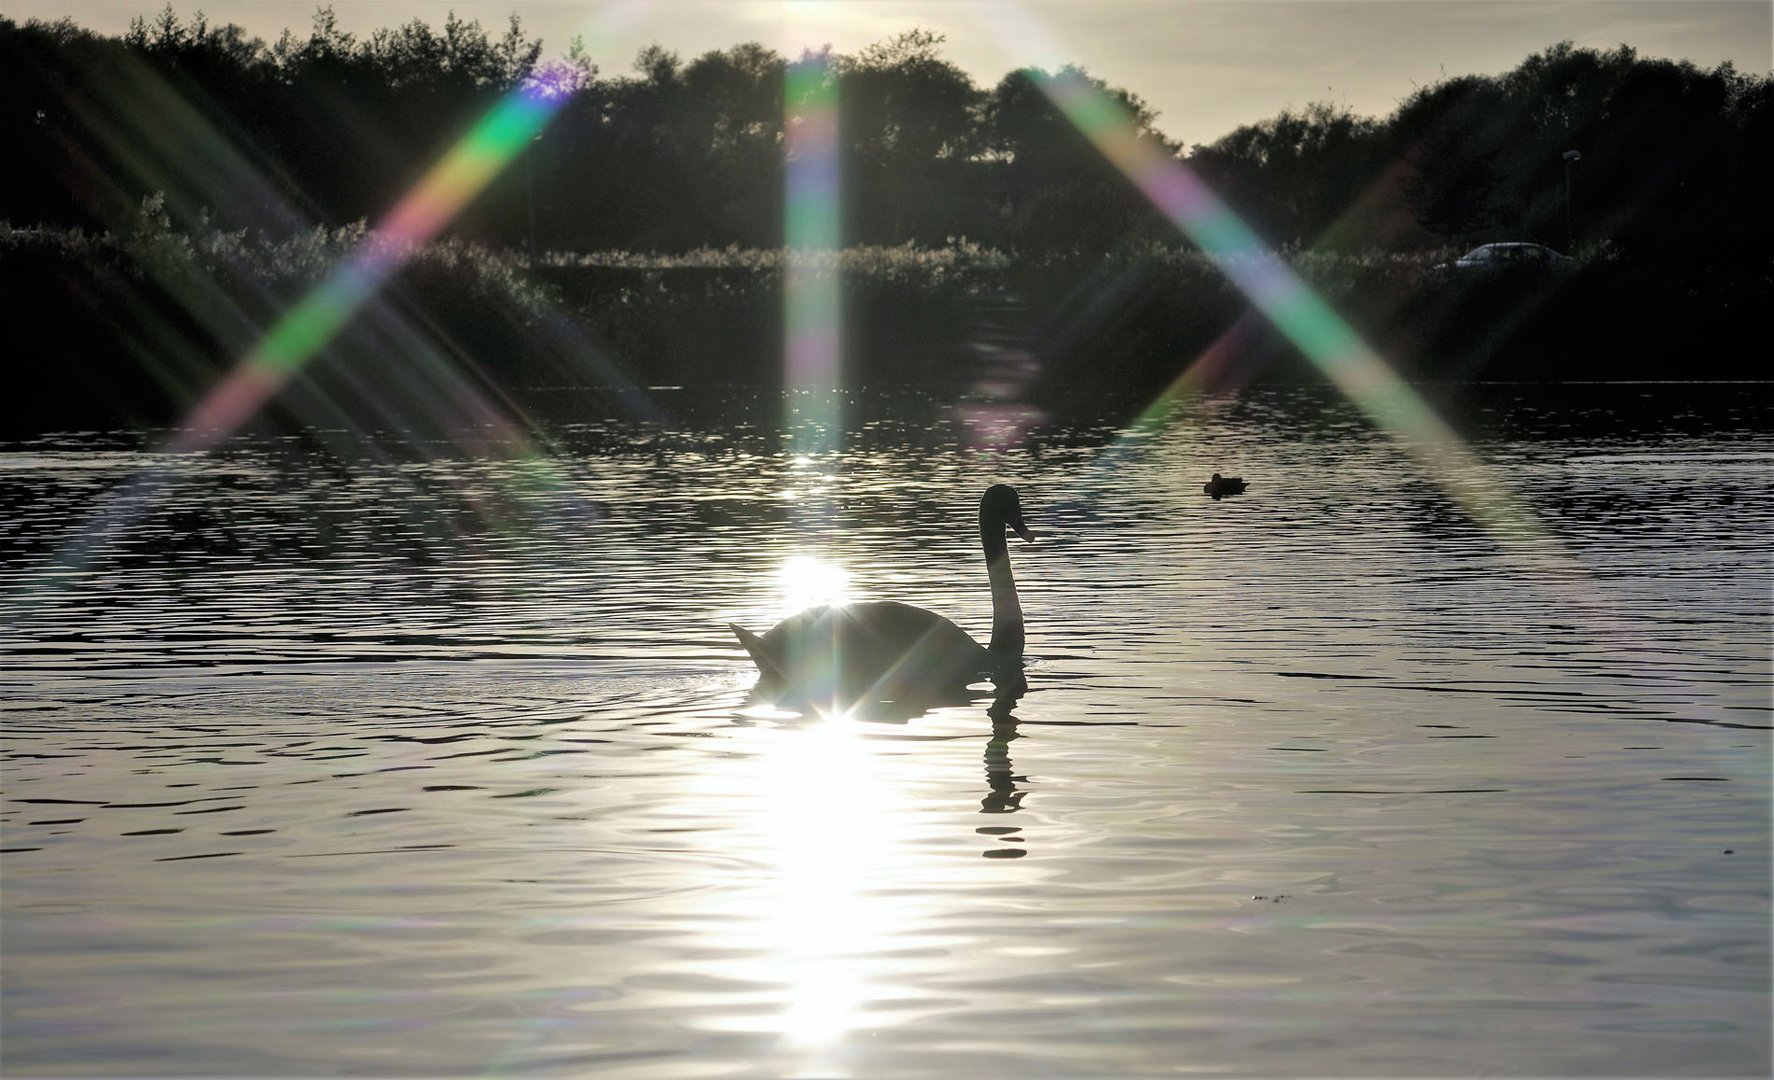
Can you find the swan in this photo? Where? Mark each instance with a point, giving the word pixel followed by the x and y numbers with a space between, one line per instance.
pixel 884 650
pixel 1224 485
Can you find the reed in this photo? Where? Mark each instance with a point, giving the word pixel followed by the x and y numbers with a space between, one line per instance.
pixel 132 324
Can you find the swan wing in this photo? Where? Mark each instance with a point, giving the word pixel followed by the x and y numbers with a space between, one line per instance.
pixel 756 648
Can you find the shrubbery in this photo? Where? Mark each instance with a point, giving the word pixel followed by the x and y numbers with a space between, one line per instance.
pixel 131 326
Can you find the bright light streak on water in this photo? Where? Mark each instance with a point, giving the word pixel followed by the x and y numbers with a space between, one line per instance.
pixel 826 924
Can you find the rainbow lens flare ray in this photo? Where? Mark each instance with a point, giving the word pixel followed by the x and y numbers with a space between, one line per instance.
pixel 302 332
pixel 1315 329
pixel 1303 317
pixel 812 310
pixel 812 305
pixel 435 383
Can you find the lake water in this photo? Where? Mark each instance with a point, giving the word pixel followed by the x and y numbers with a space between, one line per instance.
pixel 391 757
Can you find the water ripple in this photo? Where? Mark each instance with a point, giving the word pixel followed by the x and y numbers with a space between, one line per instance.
pixel 418 763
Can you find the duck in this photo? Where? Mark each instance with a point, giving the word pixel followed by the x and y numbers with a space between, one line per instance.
pixel 1224 485
pixel 883 650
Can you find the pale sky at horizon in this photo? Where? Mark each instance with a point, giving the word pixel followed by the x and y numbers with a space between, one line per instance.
pixel 1206 66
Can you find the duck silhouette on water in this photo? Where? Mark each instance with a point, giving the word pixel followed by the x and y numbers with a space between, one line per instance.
pixel 1221 486
pixel 883 650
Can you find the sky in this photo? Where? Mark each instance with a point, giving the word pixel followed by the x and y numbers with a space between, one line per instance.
pixel 1206 66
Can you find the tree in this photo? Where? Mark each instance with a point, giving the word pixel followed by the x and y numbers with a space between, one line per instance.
pixel 1294 175
pixel 909 131
pixel 1054 190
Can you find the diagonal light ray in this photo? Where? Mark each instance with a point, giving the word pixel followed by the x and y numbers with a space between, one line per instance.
pixel 1301 315
pixel 307 328
pixel 489 146
pixel 313 322
pixel 438 382
pixel 1320 334
pixel 1272 287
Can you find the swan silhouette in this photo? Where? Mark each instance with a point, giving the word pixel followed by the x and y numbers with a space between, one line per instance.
pixel 882 650
pixel 1224 485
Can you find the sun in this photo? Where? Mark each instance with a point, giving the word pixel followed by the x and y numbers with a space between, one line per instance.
pixel 810 581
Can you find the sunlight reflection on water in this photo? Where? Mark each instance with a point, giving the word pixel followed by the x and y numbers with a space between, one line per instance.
pixel 824 926
pixel 373 766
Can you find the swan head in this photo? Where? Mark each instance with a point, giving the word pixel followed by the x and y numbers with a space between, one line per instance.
pixel 1001 504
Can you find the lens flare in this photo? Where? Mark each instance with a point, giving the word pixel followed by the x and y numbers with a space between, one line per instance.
pixel 492 144
pixel 1271 286
pixel 308 327
pixel 812 305
pixel 1310 325
pixel 1303 317
pixel 811 226
pixel 433 383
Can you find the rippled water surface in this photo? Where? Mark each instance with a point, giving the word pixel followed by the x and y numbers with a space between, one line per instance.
pixel 395 758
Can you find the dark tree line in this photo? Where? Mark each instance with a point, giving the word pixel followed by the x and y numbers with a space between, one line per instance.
pixel 1574 146
pixel 1670 160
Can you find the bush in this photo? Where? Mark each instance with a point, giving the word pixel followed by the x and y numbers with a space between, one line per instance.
pixel 131 328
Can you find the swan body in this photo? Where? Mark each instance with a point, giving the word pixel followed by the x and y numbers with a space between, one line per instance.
pixel 877 649
pixel 883 650
pixel 1224 485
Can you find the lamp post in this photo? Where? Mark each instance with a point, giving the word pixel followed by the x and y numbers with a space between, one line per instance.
pixel 1571 156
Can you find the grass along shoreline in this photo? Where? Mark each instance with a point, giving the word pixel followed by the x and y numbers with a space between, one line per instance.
pixel 128 326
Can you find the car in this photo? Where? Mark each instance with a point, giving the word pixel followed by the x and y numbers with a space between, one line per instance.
pixel 1508 255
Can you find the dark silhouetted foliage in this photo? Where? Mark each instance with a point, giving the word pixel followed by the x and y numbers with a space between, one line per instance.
pixel 329 128
pixel 173 190
pixel 1670 156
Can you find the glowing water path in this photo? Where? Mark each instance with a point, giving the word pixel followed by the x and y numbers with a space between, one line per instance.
pixel 308 327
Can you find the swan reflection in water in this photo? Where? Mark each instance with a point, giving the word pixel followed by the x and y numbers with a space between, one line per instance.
pixel 1002 794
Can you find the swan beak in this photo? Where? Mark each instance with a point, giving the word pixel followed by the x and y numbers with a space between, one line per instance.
pixel 1023 531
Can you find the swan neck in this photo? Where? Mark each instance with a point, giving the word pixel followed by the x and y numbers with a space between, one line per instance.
pixel 1007 612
